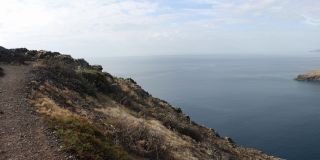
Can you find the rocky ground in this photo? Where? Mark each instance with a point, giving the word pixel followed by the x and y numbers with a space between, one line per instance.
pixel 22 133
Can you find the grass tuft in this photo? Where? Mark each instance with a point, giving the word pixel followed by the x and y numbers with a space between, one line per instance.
pixel 79 136
pixel 85 140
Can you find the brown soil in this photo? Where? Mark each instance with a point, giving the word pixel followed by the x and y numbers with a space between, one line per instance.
pixel 22 132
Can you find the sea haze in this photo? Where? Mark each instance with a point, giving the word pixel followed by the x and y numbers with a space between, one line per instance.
pixel 252 99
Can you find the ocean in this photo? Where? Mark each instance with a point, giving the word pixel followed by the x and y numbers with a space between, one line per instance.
pixel 252 99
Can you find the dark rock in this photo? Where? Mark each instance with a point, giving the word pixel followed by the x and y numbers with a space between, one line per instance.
pixel 31 53
pixel 4 50
pixel 215 132
pixel 178 110
pixel 19 50
pixel 97 67
pixel 83 63
pixel 131 80
pixel 13 55
pixel 229 140
pixel 67 59
pixel 42 54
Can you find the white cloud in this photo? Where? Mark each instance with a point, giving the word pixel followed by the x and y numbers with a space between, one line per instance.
pixel 38 21
pixel 312 21
pixel 246 6
pixel 143 27
pixel 76 15
pixel 245 10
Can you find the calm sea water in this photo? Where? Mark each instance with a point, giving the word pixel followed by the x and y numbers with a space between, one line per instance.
pixel 252 99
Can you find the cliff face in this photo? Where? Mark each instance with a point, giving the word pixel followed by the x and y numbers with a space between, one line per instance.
pixel 98 116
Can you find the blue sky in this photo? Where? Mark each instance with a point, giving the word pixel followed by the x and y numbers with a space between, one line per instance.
pixel 86 28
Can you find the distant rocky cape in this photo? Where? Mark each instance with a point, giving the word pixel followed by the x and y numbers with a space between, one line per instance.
pixel 312 76
pixel 309 76
pixel 98 116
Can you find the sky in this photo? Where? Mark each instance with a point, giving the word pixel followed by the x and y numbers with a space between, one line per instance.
pixel 102 28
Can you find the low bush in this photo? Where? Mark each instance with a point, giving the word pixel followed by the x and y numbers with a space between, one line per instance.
pixel 96 78
pixel 85 140
pixel 192 132
pixel 13 55
pixel 175 124
pixel 66 75
pixel 139 139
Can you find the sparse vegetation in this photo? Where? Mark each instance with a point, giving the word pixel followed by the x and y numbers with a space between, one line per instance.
pixel 98 116
pixel 85 140
pixel 181 127
pixel 80 137
pixel 65 75
pixel 96 78
pixel 140 139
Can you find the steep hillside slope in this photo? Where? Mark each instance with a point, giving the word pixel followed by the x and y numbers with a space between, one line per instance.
pixel 98 116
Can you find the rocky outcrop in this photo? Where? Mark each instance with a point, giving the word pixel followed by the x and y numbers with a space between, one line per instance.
pixel 13 55
pixel 310 76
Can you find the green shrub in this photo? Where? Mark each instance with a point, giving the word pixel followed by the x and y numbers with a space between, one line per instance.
pixel 140 140
pixel 181 127
pixel 65 74
pixel 191 131
pixel 85 140
pixel 96 78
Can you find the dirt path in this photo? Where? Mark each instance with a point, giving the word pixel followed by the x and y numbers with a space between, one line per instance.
pixel 22 135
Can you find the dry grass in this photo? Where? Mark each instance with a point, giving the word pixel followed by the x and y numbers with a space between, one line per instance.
pixel 135 134
pixel 79 135
pixel 39 63
pixel 171 117
pixel 146 137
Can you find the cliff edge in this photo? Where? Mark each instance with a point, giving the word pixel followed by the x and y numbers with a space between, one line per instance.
pixel 94 115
